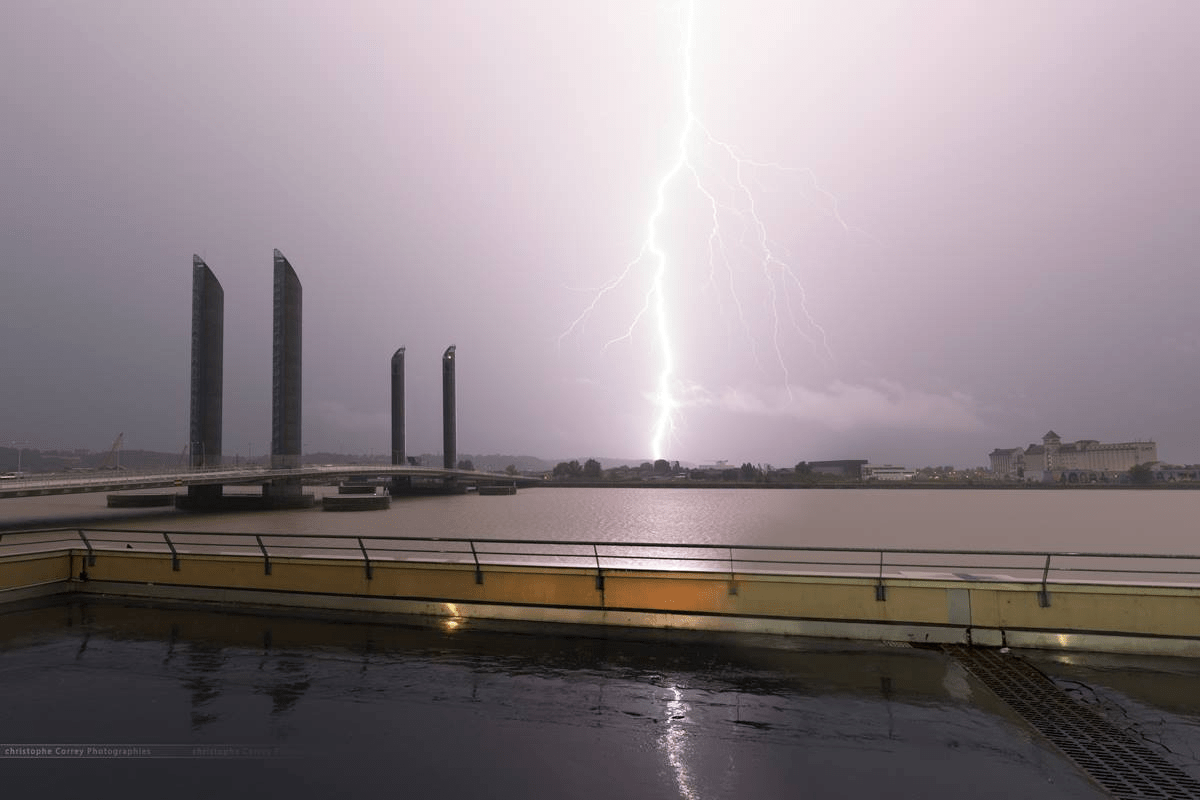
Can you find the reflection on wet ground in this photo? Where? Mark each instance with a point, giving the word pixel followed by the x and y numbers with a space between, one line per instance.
pixel 429 711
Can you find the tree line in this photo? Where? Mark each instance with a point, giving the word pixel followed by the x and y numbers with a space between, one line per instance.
pixel 664 470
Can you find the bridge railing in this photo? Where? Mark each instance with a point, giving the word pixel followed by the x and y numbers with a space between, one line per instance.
pixel 35 479
pixel 878 564
pixel 133 479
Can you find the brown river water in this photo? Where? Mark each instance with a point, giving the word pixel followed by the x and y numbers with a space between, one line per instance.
pixel 1119 521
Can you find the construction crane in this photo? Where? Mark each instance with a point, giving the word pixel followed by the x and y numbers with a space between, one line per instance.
pixel 113 459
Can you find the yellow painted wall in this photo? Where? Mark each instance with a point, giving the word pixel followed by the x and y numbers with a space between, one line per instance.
pixel 30 570
pixel 1156 612
pixel 645 596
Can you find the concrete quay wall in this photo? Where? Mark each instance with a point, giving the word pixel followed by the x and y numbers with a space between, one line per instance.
pixel 1160 620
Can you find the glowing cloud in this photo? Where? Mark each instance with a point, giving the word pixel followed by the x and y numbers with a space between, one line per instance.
pixel 843 406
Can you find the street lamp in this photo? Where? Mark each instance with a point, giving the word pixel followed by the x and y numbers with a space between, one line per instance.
pixel 19 446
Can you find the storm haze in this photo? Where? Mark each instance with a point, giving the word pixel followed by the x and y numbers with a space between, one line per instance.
pixel 979 223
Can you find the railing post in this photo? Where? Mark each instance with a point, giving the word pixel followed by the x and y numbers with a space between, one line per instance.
pixel 266 558
pixel 91 556
pixel 366 558
pixel 880 589
pixel 1044 595
pixel 174 555
pixel 599 572
pixel 733 587
pixel 478 571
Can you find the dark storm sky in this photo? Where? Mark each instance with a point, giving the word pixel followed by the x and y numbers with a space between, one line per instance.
pixel 978 222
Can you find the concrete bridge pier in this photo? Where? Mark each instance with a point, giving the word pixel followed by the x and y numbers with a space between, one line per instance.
pixel 275 495
pixel 286 493
pixel 401 485
pixel 203 497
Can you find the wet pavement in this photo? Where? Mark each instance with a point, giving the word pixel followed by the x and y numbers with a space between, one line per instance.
pixel 1154 699
pixel 223 704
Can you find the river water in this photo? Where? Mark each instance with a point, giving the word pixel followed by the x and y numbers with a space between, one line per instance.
pixel 1122 521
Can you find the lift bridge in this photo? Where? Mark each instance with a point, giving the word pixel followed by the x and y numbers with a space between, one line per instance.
pixel 281 480
pixel 75 483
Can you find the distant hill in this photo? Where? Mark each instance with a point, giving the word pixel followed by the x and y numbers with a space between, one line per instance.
pixel 492 462
pixel 62 460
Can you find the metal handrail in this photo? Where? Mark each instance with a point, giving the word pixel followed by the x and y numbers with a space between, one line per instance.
pixel 10 538
pixel 877 563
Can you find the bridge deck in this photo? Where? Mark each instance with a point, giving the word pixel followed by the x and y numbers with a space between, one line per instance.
pixel 126 481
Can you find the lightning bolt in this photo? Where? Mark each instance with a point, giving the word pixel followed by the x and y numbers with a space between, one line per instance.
pixel 728 194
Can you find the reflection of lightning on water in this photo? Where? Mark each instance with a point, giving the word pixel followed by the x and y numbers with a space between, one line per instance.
pixel 674 741
pixel 728 195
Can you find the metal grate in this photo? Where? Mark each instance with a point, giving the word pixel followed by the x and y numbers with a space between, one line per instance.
pixel 1123 766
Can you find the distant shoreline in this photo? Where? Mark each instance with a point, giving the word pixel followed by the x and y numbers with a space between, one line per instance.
pixel 897 485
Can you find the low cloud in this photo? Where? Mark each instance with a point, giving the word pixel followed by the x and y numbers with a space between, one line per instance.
pixel 844 406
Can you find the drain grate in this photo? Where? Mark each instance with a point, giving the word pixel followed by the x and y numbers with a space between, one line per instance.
pixel 1125 767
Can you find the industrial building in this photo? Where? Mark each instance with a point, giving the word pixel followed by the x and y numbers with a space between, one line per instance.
pixel 887 472
pixel 1086 459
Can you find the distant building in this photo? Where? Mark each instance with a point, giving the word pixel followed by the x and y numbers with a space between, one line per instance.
pixel 1086 459
pixel 1168 473
pixel 886 472
pixel 1008 462
pixel 846 468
